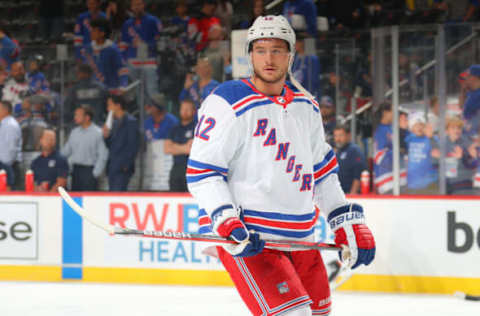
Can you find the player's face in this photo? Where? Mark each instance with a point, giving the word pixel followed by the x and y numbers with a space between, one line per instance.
pixel 270 60
pixel 187 111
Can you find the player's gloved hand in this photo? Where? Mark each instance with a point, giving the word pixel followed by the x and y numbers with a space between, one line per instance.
pixel 348 224
pixel 227 224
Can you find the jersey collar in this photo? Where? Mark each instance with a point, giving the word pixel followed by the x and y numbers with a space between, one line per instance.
pixel 284 99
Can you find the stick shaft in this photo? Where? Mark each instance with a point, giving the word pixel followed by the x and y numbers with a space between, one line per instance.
pixel 288 244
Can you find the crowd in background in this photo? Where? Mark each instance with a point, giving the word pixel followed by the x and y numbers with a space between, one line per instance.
pixel 180 51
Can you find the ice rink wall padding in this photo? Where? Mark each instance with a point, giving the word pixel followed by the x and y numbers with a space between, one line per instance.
pixel 424 244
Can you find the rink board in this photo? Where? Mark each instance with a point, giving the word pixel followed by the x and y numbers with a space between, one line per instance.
pixel 424 244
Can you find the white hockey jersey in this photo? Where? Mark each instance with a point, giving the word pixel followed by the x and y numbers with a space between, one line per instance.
pixel 267 155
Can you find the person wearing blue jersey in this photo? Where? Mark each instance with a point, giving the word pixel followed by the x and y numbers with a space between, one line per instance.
pixel 9 50
pixel 139 46
pixel 383 153
pixel 471 107
pixel 461 159
pixel 159 122
pixel 259 164
pixel 105 58
pixel 422 175
pixel 198 87
pixel 82 27
pixel 302 15
pixel 306 68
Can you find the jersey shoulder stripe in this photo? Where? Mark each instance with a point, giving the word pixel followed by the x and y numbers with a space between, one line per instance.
pixel 240 96
pixel 300 97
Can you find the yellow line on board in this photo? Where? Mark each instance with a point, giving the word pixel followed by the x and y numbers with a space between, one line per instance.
pixel 411 284
pixel 30 273
pixel 156 276
pixel 358 282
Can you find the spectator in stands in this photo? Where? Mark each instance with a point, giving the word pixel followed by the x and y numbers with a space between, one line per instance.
pixel 182 17
pixel 422 175
pixel 86 151
pixel 17 86
pixel 123 144
pixel 32 122
pixel 216 51
pixel 159 122
pixel 3 79
pixel 105 58
pixel 306 68
pixel 257 8
pixel 117 14
pixel 10 139
pixel 302 15
pixel 471 108
pixel 50 169
pixel 139 47
pixel 82 25
pixel 9 49
pixel 179 144
pixel 350 160
pixel 201 23
pixel 383 152
pixel 199 88
pixel 86 91
pixel 461 158
pixel 51 19
pixel 327 109
pixel 224 12
pixel 35 77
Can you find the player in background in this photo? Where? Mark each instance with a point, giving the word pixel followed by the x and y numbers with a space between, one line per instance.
pixel 258 165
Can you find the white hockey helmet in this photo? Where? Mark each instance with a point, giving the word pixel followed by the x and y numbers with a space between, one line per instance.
pixel 271 26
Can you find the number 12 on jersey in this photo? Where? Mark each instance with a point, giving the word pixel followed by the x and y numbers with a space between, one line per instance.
pixel 204 126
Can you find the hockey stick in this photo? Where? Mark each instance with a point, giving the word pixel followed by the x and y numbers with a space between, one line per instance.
pixel 467 297
pixel 113 230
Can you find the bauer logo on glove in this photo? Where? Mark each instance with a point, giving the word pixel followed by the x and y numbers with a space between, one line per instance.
pixel 348 224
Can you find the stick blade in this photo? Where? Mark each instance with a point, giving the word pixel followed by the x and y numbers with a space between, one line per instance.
pixel 80 211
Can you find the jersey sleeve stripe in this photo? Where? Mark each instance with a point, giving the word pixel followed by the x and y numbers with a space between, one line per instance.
pixel 325 175
pixel 332 164
pixel 201 165
pixel 328 157
pixel 193 179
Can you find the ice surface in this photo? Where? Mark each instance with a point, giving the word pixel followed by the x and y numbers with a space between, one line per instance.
pixel 72 299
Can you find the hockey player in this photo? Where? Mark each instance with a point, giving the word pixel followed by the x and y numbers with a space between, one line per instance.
pixel 105 58
pixel 259 163
pixel 82 25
